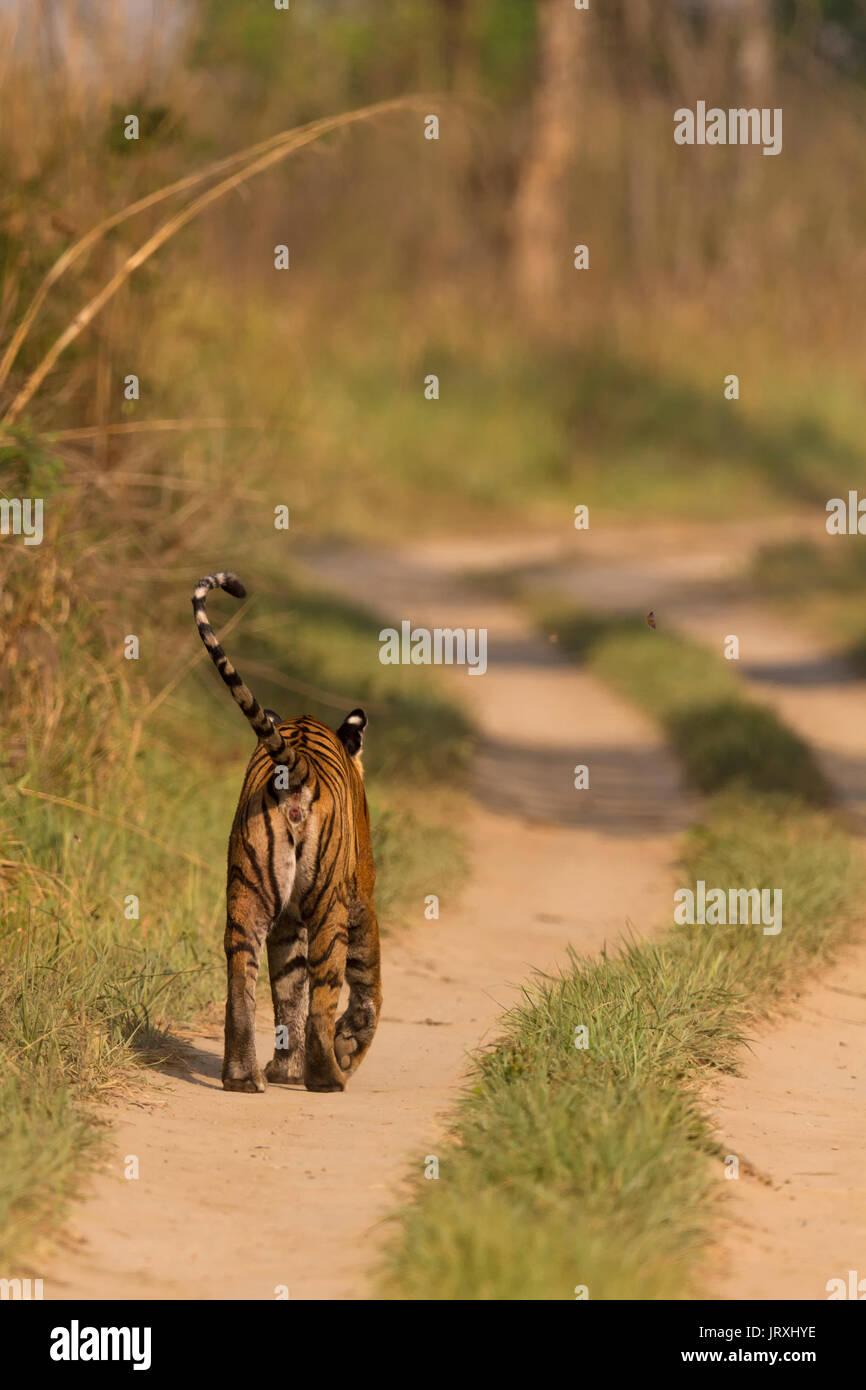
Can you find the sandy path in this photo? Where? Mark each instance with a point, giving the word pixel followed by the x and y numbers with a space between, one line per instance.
pixel 797 1113
pixel 240 1194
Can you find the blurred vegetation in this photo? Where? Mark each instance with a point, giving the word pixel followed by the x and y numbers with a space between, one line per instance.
pixel 411 256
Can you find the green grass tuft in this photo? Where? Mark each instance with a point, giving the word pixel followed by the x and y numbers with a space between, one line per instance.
pixel 720 738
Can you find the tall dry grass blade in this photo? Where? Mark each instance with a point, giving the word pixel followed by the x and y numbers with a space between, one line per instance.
pixel 11 866
pixel 135 735
pixel 80 247
pixel 82 432
pixel 122 824
pixel 121 478
pixel 210 422
pixel 278 148
pixel 192 661
pixel 309 692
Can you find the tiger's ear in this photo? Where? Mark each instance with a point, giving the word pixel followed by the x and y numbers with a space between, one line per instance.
pixel 351 732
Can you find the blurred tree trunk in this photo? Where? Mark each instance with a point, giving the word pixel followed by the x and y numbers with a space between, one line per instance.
pixel 755 58
pixel 755 76
pixel 457 47
pixel 684 61
pixel 639 138
pixel 541 239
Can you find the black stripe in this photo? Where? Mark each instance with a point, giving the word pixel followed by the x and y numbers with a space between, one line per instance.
pixel 297 963
pixel 335 941
pixel 242 946
pixel 272 876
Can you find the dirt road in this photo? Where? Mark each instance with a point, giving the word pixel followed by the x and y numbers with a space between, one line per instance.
pixel 238 1195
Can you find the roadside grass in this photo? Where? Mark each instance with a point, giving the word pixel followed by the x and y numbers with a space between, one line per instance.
pixel 596 1168
pixel 137 780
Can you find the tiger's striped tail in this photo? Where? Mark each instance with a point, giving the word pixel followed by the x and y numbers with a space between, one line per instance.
pixel 263 728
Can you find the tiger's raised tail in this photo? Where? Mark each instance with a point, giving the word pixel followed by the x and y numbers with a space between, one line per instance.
pixel 262 725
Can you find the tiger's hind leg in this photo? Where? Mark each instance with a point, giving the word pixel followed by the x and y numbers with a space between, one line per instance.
pixel 287 964
pixel 328 939
pixel 246 929
pixel 358 1024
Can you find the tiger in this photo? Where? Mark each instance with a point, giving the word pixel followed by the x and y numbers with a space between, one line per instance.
pixel 301 878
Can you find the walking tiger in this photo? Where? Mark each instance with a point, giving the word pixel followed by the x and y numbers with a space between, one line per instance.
pixel 300 877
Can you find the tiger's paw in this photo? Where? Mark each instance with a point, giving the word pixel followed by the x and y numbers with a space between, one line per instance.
pixel 253 1083
pixel 325 1075
pixel 345 1046
pixel 280 1072
pixel 354 1034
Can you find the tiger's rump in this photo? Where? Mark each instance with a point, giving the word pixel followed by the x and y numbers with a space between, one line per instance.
pixel 304 854
pixel 321 828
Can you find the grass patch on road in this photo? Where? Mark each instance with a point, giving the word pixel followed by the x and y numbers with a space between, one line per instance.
pixel 597 1167
pixel 819 587
pixel 720 738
